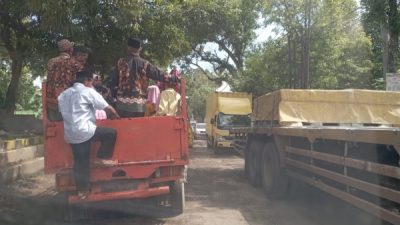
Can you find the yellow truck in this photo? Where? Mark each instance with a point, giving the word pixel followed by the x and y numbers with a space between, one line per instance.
pixel 224 111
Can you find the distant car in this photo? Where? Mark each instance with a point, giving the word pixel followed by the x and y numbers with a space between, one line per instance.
pixel 200 131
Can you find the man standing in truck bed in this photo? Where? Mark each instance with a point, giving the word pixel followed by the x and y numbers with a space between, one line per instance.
pixel 61 72
pixel 131 80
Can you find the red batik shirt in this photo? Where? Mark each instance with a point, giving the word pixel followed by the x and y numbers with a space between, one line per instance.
pixel 61 74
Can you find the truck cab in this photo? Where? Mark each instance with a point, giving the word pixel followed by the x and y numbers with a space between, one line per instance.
pixel 224 111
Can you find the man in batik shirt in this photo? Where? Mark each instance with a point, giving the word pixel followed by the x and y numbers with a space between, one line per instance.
pixel 61 72
pixel 132 81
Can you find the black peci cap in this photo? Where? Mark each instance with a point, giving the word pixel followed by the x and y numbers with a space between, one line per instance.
pixel 85 74
pixel 134 42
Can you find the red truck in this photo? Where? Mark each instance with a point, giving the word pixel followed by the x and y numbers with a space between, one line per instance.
pixel 152 155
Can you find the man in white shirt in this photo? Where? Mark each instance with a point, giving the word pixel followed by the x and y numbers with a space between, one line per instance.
pixel 78 105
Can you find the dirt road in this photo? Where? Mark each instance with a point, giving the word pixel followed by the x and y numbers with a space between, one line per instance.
pixel 217 192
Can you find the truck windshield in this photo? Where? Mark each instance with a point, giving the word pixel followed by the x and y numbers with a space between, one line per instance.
pixel 226 121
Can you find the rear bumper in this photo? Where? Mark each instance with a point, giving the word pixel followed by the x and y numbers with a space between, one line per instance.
pixel 121 195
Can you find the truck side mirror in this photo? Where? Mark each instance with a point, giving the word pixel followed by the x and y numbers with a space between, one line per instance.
pixel 212 121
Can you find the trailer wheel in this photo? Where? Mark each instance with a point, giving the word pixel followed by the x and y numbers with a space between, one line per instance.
pixel 254 161
pixel 274 180
pixel 246 157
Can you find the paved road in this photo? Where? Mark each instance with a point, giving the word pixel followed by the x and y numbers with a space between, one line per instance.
pixel 217 192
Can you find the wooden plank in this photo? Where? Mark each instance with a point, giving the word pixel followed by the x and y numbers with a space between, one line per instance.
pixel 387 136
pixel 376 135
pixel 376 210
pixel 386 170
pixel 376 190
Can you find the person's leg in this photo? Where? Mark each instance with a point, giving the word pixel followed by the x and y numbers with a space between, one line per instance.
pixel 81 169
pixel 107 137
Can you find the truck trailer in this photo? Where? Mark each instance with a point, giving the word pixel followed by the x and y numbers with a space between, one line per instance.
pixel 224 111
pixel 343 142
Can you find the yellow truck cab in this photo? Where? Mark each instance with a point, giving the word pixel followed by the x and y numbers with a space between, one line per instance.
pixel 224 111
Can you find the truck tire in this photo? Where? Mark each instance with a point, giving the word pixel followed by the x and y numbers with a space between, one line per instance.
pixel 254 163
pixel 209 142
pixel 215 148
pixel 246 157
pixel 177 199
pixel 167 206
pixel 273 177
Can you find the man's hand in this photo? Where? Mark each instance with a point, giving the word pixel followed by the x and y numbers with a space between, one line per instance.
pixel 115 115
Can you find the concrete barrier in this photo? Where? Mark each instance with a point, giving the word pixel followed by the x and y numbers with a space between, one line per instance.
pixel 20 158
pixel 25 169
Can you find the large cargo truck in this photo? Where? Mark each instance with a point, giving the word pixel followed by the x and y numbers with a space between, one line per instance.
pixel 224 111
pixel 152 154
pixel 344 142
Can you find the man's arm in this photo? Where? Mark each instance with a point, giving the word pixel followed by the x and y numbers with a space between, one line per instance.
pixel 111 109
pixel 154 73
pixel 100 103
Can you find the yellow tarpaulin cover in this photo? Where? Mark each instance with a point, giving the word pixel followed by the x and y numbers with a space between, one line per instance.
pixel 236 105
pixel 329 106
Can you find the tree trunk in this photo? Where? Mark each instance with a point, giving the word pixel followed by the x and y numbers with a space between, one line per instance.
pixel 307 47
pixel 305 84
pixel 12 91
pixel 393 36
pixel 385 43
pixel 295 64
pixel 290 62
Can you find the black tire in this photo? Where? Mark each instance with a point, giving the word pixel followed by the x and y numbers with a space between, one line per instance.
pixel 254 163
pixel 215 148
pixel 246 157
pixel 273 178
pixel 162 206
pixel 208 143
pixel 177 198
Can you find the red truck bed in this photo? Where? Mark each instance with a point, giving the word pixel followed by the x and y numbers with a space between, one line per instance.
pixel 152 154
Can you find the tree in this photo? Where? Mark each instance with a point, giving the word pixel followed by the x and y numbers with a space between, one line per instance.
pixel 322 46
pixel 21 39
pixel 29 31
pixel 229 26
pixel 382 23
pixel 28 98
pixel 197 94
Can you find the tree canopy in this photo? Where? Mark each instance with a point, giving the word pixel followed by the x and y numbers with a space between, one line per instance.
pixel 317 44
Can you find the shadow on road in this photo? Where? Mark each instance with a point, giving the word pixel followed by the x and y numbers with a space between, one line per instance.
pixel 219 181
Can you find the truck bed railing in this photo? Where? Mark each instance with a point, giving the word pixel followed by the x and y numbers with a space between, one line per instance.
pixel 357 163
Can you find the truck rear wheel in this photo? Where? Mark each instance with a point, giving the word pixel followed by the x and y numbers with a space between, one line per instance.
pixel 254 163
pixel 167 206
pixel 246 157
pixel 177 199
pixel 274 180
